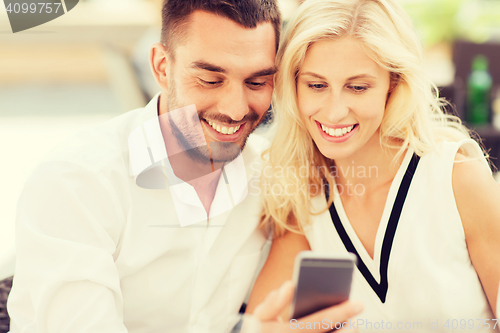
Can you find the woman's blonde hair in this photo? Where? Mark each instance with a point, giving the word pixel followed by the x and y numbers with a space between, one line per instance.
pixel 413 113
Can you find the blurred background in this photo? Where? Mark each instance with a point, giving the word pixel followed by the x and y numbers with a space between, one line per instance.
pixel 91 64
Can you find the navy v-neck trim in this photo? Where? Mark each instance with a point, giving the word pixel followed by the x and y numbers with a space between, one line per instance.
pixel 390 232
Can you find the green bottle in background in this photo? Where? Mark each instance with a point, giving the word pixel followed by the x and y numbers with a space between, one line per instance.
pixel 478 92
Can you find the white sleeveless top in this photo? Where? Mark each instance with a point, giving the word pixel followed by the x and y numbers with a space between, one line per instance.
pixel 431 284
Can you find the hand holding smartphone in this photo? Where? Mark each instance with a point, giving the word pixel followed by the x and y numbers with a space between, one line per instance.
pixel 321 280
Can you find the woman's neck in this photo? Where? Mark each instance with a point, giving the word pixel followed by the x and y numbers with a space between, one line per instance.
pixel 369 168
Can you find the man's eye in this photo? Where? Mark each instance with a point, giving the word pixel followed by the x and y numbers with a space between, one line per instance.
pixel 210 83
pixel 257 84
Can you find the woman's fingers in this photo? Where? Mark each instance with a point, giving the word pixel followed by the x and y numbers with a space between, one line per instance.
pixel 334 317
pixel 275 302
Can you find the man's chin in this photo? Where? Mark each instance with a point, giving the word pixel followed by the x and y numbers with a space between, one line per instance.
pixel 224 152
pixel 220 152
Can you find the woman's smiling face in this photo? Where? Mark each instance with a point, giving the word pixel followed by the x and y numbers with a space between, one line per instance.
pixel 341 95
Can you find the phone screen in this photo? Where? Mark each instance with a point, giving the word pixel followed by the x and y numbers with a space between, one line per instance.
pixel 321 283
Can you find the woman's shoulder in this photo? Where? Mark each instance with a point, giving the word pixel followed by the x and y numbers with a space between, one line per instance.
pixel 450 153
pixel 471 176
pixel 448 169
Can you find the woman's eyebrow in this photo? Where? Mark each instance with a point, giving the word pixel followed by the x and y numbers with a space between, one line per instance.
pixel 313 74
pixel 360 76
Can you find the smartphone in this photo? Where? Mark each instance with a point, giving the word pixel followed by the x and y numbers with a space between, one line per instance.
pixel 321 280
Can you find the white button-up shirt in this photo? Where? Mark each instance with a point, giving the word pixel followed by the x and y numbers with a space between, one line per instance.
pixel 96 252
pixel 149 159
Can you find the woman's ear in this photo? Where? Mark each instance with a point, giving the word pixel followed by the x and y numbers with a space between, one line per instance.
pixel 160 63
pixel 394 80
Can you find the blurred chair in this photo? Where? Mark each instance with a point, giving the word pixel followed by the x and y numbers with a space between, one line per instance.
pixel 463 54
pixel 7 265
pixel 5 286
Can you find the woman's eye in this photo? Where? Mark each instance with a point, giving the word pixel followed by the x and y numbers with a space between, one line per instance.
pixel 358 88
pixel 316 86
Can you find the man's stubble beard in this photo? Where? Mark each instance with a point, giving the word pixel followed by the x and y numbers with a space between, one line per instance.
pixel 220 151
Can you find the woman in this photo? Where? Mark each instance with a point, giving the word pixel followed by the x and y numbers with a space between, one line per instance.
pixel 407 190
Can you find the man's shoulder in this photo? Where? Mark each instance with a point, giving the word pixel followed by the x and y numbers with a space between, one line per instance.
pixel 99 147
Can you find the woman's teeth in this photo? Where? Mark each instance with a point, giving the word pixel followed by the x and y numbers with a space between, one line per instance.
pixel 224 129
pixel 337 132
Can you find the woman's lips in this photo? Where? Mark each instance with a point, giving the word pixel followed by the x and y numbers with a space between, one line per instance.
pixel 337 134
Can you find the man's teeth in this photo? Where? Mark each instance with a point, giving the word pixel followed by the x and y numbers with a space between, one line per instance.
pixel 224 129
pixel 337 132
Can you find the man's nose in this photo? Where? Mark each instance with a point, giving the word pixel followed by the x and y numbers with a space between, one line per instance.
pixel 234 102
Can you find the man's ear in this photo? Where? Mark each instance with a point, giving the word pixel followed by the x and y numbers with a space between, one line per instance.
pixel 159 61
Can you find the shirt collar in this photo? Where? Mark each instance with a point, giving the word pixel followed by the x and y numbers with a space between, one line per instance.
pixel 141 156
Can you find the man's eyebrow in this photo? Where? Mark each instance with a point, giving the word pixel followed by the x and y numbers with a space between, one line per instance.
pixel 360 76
pixel 265 72
pixel 214 68
pixel 208 67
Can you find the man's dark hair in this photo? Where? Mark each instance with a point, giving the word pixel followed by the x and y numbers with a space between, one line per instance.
pixel 248 13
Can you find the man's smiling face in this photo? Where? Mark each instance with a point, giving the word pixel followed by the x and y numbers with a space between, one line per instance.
pixel 226 71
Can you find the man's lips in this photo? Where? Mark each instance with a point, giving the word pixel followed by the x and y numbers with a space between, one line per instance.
pixel 224 132
pixel 223 128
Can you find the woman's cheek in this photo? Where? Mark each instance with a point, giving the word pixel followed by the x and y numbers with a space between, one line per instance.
pixel 307 106
pixel 305 116
pixel 370 109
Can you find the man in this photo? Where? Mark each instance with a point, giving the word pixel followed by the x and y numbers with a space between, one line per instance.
pixel 137 225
